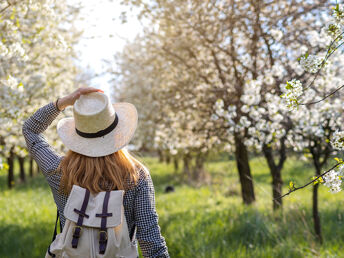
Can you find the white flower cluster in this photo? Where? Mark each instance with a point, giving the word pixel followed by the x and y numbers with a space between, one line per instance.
pixel 311 63
pixel 333 179
pixel 338 140
pixel 293 92
pixel 333 30
pixel 338 13
pixel 276 34
pixel 228 114
pixel 252 94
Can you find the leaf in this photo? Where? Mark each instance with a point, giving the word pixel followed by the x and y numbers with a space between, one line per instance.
pixel 291 186
pixel 316 181
pixel 338 160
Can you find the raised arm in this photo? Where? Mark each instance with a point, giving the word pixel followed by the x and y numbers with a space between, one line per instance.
pixel 45 156
pixel 151 242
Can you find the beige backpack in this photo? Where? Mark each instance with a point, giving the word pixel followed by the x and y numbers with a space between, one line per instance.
pixel 93 228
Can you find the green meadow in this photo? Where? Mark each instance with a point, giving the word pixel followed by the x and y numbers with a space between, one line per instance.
pixel 196 221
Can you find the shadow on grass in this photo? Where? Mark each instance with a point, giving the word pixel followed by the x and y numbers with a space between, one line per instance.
pixel 37 182
pixel 25 242
pixel 224 233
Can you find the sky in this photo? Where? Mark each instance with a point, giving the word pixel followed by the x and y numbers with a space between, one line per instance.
pixel 104 35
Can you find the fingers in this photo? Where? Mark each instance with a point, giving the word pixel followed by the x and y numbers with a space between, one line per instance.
pixel 86 90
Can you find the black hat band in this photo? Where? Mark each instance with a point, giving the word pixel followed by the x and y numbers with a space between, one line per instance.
pixel 101 132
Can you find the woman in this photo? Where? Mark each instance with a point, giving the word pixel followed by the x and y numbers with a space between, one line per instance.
pixel 97 160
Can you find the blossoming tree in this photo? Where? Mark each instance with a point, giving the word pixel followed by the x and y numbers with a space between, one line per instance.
pixel 216 49
pixel 36 53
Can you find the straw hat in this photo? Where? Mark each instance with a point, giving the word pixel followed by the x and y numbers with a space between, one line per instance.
pixel 98 128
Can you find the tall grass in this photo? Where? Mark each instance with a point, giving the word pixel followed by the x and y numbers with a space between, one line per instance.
pixel 206 221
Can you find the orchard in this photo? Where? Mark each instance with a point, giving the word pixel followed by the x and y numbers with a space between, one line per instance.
pixel 227 93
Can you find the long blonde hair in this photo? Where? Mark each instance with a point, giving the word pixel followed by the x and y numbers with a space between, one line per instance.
pixel 118 170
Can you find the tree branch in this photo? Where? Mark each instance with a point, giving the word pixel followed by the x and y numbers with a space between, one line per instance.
pixel 314 180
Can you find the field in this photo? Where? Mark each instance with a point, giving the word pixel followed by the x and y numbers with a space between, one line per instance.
pixel 206 221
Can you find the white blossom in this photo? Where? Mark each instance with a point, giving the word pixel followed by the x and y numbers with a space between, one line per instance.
pixel 311 63
pixel 293 92
pixel 338 140
pixel 338 13
pixel 276 34
pixel 333 179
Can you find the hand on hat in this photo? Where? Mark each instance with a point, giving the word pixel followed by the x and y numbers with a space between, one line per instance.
pixel 70 99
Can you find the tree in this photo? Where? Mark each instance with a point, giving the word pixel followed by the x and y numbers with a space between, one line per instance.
pixel 36 62
pixel 319 118
pixel 212 49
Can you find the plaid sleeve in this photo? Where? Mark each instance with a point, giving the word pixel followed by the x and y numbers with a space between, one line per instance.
pixel 151 242
pixel 45 156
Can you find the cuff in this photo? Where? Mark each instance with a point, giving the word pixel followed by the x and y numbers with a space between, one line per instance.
pixel 52 109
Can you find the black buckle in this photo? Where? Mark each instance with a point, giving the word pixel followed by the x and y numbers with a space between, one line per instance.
pixel 77 234
pixel 103 237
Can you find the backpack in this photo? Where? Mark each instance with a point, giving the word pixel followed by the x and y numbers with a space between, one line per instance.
pixel 93 228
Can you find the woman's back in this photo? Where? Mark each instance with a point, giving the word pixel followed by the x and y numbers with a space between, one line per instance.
pixel 116 170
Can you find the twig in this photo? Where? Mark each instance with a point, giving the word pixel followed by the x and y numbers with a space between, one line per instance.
pixel 327 56
pixel 329 95
pixel 4 9
pixel 314 180
pixel 8 5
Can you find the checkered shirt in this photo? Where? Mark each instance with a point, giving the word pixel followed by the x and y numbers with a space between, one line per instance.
pixel 138 202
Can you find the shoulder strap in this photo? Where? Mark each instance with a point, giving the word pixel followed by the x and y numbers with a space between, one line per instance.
pixel 55 232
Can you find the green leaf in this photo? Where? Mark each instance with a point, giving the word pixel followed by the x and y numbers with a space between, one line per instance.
pixel 291 186
pixel 338 160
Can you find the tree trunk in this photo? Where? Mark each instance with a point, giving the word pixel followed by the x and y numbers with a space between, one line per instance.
pixel 276 175
pixel 161 157
pixel 186 169
pixel 167 158
pixel 22 169
pixel 243 166
pixel 38 170
pixel 316 216
pixel 277 183
pixel 31 167
pixel 198 173
pixel 176 164
pixel 10 181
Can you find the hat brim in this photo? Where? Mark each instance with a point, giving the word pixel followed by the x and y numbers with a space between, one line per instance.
pixel 107 144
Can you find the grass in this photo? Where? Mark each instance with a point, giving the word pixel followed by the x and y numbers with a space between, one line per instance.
pixel 206 221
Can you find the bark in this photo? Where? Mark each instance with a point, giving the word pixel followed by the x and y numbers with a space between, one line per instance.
pixel 167 158
pixel 10 162
pixel 320 157
pixel 161 157
pixel 31 167
pixel 277 182
pixel 176 164
pixel 316 216
pixel 186 169
pixel 38 170
pixel 244 171
pixel 21 161
pixel 198 173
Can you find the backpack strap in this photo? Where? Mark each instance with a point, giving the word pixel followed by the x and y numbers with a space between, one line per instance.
pixel 103 231
pixel 82 214
pixel 55 232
